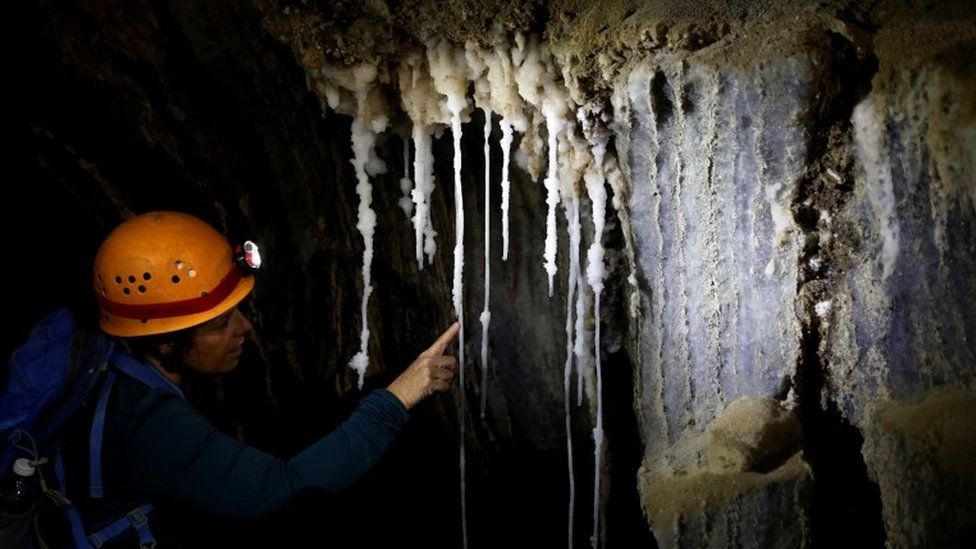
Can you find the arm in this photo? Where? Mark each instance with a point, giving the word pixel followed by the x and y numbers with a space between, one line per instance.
pixel 173 451
pixel 177 453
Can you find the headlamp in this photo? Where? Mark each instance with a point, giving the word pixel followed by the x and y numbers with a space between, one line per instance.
pixel 248 257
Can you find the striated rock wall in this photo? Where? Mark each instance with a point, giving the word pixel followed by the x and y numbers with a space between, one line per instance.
pixel 900 338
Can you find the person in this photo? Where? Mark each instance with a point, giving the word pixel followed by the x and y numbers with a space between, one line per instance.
pixel 168 287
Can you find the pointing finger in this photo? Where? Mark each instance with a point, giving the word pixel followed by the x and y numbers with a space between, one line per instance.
pixel 443 341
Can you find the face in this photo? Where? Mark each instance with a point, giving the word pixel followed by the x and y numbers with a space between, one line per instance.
pixel 216 345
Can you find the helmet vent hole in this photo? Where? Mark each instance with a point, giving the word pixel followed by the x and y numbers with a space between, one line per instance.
pixel 118 280
pixel 144 320
pixel 203 294
pixel 104 291
pixel 179 265
pixel 176 279
pixel 192 273
pixel 99 277
pixel 142 289
pixel 105 316
pixel 126 291
pixel 131 279
pixel 146 276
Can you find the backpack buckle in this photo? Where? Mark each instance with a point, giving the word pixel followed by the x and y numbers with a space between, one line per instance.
pixel 136 517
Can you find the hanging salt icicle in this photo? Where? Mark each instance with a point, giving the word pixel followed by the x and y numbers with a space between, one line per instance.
pixel 369 119
pixel 423 173
pixel 579 345
pixel 448 70
pixel 486 312
pixel 594 276
pixel 538 86
pixel 573 225
pixel 506 101
pixel 422 104
pixel 458 288
pixel 477 67
pixel 554 125
pixel 506 144
pixel 406 204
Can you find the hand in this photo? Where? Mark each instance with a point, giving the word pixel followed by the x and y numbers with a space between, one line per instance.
pixel 432 371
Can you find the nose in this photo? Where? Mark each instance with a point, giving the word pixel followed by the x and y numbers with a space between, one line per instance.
pixel 242 324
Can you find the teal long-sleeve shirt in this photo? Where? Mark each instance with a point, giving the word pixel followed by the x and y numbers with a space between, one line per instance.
pixel 173 451
pixel 158 448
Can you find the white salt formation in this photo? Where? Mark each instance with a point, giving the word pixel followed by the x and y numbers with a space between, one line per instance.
pixel 524 86
pixel 506 143
pixel 425 108
pixel 869 140
pixel 572 219
pixel 486 311
pixel 477 68
pixel 594 277
pixel 539 88
pixel 353 91
pixel 505 100
pixel 449 72
pixel 406 185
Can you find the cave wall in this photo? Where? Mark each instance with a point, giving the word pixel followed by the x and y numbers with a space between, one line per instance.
pixel 716 156
pixel 788 322
pixel 898 343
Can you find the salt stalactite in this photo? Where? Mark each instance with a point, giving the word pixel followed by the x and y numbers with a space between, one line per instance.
pixel 422 104
pixel 576 157
pixel 486 312
pixel 506 144
pixel 405 202
pixel 368 119
pixel 524 86
pixel 423 174
pixel 448 69
pixel 477 67
pixel 594 277
pixel 579 160
pixel 573 223
pixel 539 88
pixel 506 101
pixel 579 343
pixel 554 126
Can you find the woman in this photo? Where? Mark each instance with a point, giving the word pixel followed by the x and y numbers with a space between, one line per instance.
pixel 168 287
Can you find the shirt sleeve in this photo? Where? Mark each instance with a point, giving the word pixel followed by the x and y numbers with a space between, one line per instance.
pixel 175 452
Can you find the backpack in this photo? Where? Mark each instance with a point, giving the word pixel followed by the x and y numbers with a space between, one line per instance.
pixel 50 377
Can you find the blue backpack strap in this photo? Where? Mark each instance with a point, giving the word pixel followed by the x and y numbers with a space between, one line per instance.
pixel 77 529
pixel 143 372
pixel 96 359
pixel 133 368
pixel 97 435
pixel 135 519
pixel 139 522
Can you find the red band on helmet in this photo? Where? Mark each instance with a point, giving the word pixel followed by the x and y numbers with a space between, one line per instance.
pixel 175 308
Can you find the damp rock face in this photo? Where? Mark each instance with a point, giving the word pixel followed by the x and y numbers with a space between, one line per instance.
pixel 753 434
pixel 753 468
pixel 900 340
pixel 716 156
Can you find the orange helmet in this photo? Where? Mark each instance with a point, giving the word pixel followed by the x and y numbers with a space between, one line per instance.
pixel 165 271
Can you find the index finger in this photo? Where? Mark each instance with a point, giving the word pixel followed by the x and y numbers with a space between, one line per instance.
pixel 444 340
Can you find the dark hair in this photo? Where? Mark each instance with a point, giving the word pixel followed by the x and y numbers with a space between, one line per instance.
pixel 181 340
